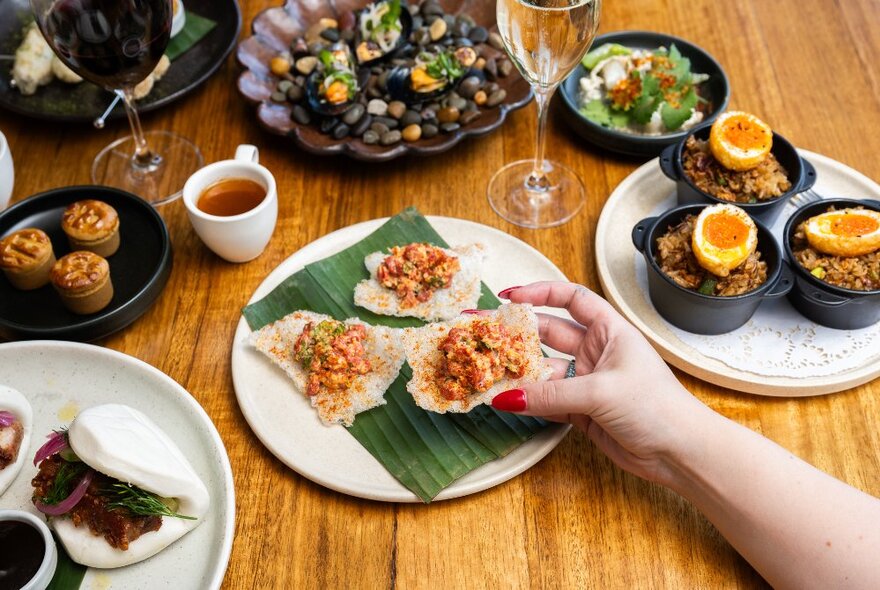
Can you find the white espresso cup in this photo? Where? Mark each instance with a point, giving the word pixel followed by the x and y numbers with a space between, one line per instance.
pixel 236 238
pixel 7 174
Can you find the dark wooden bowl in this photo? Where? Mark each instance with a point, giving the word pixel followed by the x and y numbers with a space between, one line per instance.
pixel 274 29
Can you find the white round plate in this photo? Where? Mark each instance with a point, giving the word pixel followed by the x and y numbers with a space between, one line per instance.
pixel 61 378
pixel 638 197
pixel 284 421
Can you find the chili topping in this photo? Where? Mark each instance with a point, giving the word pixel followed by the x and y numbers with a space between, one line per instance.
pixel 477 356
pixel 332 353
pixel 415 271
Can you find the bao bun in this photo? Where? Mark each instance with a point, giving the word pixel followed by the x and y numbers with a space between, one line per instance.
pixel 14 402
pixel 123 443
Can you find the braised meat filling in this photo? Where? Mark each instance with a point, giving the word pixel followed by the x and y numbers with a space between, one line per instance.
pixel 117 525
pixel 414 272
pixel 477 356
pixel 333 354
pixel 10 442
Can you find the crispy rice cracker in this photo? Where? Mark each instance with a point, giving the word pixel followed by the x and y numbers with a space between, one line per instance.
pixel 445 304
pixel 421 345
pixel 383 348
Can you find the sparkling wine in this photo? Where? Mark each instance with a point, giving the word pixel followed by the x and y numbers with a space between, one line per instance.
pixel 111 43
pixel 547 38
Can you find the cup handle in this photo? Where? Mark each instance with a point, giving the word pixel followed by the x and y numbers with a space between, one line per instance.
pixel 666 162
pixel 247 153
pixel 783 285
pixel 640 231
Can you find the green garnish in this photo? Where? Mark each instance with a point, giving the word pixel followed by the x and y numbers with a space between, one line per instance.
pixel 337 71
pixel 323 334
pixel 390 21
pixel 599 112
pixel 707 287
pixel 141 502
pixel 592 59
pixel 68 475
pixel 444 66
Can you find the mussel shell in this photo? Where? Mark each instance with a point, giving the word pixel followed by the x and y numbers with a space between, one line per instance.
pixel 399 87
pixel 406 25
pixel 313 96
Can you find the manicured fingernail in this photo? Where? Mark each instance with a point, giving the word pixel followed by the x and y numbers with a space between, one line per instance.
pixel 512 400
pixel 505 294
pixel 471 311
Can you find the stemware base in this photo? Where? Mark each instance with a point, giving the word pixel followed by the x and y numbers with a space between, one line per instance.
pixel 512 198
pixel 158 182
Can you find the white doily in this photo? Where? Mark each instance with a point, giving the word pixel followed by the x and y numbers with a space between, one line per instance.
pixel 778 341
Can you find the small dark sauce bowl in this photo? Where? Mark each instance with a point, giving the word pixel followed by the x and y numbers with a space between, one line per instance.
pixel 706 314
pixel 801 174
pixel 823 303
pixel 47 558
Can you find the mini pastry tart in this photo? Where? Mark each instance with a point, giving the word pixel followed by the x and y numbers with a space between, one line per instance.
pixel 464 363
pixel 91 225
pixel 26 257
pixel 82 279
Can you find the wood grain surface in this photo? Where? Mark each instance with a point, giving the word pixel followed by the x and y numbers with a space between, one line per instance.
pixel 574 520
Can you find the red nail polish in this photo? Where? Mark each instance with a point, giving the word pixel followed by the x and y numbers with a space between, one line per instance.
pixel 470 311
pixel 512 400
pixel 506 292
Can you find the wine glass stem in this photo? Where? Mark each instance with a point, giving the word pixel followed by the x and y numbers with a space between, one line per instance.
pixel 537 180
pixel 143 158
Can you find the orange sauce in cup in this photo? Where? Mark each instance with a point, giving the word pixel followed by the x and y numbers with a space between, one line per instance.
pixel 231 196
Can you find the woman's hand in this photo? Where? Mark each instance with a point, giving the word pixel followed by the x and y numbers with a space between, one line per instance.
pixel 623 397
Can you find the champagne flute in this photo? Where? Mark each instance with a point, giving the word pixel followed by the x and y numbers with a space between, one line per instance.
pixel 116 44
pixel 545 39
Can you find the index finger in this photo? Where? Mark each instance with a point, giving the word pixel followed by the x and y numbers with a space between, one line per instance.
pixel 584 305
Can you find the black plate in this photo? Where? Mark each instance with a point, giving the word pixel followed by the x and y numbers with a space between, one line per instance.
pixel 139 269
pixel 83 102
pixel 716 87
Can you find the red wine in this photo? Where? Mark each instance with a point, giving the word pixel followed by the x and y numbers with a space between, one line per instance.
pixel 113 43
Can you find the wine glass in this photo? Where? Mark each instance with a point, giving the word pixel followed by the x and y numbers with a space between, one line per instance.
pixel 545 39
pixel 116 44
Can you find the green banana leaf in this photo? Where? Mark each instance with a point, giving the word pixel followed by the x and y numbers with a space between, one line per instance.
pixel 424 450
pixel 68 574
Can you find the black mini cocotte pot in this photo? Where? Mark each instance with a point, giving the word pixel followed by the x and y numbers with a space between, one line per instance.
pixel 821 302
pixel 706 314
pixel 801 174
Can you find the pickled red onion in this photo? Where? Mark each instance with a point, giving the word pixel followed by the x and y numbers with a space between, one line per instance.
pixel 67 504
pixel 7 419
pixel 57 442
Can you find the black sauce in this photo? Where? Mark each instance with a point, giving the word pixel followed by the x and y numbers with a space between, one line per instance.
pixel 21 553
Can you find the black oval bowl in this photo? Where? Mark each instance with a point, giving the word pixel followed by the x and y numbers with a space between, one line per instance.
pixel 825 304
pixel 716 89
pixel 691 310
pixel 139 269
pixel 801 174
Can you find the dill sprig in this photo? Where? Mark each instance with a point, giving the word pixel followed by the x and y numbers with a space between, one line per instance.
pixel 139 502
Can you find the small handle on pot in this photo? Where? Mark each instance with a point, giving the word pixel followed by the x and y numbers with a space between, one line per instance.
pixel 817 297
pixel 783 284
pixel 667 164
pixel 808 178
pixel 640 231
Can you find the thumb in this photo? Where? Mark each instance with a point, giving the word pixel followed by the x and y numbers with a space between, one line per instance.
pixel 550 398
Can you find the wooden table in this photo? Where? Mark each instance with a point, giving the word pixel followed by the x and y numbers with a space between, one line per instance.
pixel 805 66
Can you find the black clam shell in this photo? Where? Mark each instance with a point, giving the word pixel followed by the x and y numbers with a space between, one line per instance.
pixel 399 87
pixel 313 96
pixel 406 26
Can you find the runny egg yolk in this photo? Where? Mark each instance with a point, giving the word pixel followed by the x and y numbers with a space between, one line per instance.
pixel 847 232
pixel 724 237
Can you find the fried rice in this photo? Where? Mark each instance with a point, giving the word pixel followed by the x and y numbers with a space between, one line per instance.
pixel 858 273
pixel 764 182
pixel 677 261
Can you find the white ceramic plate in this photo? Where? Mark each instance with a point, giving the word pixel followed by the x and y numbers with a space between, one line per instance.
pixel 61 378
pixel 289 427
pixel 638 197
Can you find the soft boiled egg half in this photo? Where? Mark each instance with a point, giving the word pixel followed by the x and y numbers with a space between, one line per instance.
pixel 740 141
pixel 846 232
pixel 724 237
